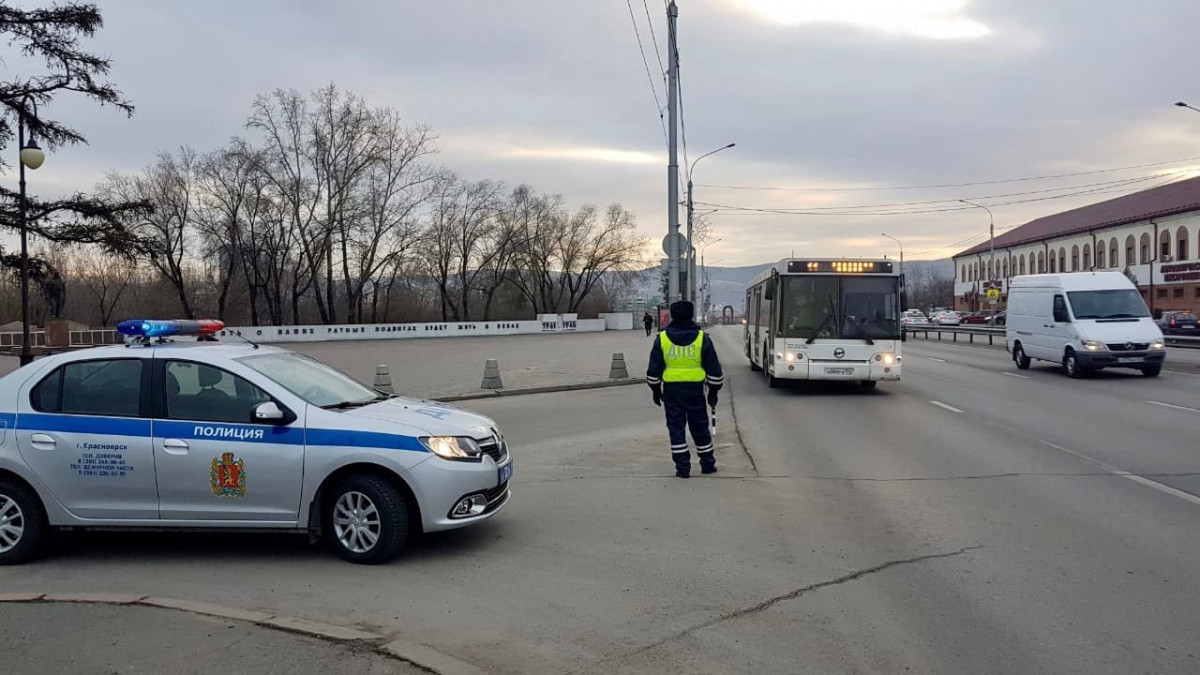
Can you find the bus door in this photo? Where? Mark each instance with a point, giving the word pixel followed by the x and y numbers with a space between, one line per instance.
pixel 757 345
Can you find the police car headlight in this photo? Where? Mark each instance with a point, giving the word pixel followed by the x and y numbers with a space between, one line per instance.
pixel 452 447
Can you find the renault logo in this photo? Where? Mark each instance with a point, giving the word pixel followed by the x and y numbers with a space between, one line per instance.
pixel 839 353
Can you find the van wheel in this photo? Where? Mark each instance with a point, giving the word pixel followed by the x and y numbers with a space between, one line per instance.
pixel 1020 357
pixel 1071 365
pixel 23 525
pixel 366 519
pixel 1152 371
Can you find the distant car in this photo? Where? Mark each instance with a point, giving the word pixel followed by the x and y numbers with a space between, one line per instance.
pixel 1000 319
pixel 1179 322
pixel 947 319
pixel 914 317
pixel 974 318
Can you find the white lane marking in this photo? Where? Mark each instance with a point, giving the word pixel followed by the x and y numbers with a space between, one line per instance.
pixel 1023 377
pixel 1180 372
pixel 1142 480
pixel 1172 405
pixel 938 360
pixel 947 407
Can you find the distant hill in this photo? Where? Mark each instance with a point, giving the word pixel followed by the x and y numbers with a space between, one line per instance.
pixel 728 284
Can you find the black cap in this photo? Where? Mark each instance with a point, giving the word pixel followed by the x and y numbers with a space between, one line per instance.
pixel 682 311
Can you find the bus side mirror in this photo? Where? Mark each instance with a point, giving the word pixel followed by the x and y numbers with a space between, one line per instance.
pixel 769 291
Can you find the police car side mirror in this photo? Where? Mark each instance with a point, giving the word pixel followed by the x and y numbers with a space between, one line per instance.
pixel 269 412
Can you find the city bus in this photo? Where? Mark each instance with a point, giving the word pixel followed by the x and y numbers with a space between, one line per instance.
pixel 825 319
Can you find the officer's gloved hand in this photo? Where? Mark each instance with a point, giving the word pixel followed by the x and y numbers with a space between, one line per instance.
pixel 712 398
pixel 657 394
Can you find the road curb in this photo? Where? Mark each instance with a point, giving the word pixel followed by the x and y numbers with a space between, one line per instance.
pixel 419 655
pixel 551 389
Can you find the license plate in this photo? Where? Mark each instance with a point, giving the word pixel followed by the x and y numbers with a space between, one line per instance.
pixel 506 472
pixel 1129 359
pixel 843 372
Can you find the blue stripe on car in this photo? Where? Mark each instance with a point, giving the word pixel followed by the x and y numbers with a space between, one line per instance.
pixel 213 431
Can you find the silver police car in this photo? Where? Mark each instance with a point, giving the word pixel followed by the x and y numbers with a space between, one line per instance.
pixel 159 434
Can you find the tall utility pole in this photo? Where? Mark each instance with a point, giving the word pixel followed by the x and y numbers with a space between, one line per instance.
pixel 673 244
pixel 884 234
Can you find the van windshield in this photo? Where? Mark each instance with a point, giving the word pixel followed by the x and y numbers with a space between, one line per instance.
pixel 1108 304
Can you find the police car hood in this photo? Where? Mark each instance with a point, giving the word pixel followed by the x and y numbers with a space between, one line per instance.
pixel 432 417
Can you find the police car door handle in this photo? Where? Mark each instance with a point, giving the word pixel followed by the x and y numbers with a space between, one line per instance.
pixel 174 446
pixel 43 440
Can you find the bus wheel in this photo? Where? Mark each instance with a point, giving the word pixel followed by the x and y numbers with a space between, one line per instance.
pixel 754 368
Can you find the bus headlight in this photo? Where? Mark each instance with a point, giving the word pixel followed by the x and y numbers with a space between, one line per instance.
pixel 789 357
pixel 887 358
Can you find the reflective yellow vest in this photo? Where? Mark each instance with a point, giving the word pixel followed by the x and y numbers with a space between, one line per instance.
pixel 683 361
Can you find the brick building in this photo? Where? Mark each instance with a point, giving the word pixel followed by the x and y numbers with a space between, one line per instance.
pixel 1152 236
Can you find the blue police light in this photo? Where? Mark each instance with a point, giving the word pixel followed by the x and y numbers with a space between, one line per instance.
pixel 148 328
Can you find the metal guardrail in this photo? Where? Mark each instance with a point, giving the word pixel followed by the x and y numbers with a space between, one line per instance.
pixel 992 333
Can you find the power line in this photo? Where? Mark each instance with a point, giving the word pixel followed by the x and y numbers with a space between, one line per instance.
pixel 653 89
pixel 950 204
pixel 950 185
pixel 654 40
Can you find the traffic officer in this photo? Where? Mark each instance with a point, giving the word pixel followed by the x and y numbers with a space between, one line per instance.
pixel 682 361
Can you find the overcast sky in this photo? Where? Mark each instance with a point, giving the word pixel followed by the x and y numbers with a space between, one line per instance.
pixel 828 94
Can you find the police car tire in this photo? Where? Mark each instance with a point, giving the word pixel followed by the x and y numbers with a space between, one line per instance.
pixel 36 527
pixel 393 518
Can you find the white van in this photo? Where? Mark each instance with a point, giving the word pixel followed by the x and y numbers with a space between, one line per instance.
pixel 1083 320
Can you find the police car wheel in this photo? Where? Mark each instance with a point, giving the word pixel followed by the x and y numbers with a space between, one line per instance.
pixel 366 519
pixel 23 526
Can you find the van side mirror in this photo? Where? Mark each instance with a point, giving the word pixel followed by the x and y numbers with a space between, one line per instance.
pixel 269 413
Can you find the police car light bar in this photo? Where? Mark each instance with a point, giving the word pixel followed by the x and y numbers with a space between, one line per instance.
pixel 147 328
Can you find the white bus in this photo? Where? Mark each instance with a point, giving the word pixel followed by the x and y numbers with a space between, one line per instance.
pixel 826 320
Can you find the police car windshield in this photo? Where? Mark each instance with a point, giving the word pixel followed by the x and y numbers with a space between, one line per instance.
pixel 312 380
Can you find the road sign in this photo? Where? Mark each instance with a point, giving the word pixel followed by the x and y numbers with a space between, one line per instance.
pixel 681 242
pixel 993 295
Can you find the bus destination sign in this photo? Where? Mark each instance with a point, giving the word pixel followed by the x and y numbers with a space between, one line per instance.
pixel 839 266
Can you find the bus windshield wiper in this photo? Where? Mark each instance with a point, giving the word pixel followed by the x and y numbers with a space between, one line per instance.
pixel 820 326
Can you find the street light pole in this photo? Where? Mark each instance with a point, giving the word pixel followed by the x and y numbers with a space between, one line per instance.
pixel 691 282
pixel 991 243
pixel 32 156
pixel 901 249
pixel 1181 104
pixel 704 273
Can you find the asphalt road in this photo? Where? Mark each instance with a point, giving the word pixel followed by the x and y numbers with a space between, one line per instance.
pixel 1027 524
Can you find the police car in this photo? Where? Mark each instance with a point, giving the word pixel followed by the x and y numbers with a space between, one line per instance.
pixel 201 434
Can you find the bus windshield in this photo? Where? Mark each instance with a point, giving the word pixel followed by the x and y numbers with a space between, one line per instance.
pixel 839 307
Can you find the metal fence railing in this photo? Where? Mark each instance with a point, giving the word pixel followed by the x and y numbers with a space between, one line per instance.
pixel 95 337
pixel 37 338
pixel 996 335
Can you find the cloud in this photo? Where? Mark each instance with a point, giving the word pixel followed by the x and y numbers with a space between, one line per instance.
pixel 932 19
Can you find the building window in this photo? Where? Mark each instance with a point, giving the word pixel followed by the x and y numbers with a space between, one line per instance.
pixel 1164 246
pixel 1100 255
pixel 1177 292
pixel 1074 258
pixel 1161 294
pixel 1129 246
pixel 1062 260
pixel 1197 289
pixel 1087 256
pixel 1145 246
pixel 1005 269
pixel 1182 251
pixel 1112 253
pixel 1022 265
pixel 1041 263
pixel 1052 270
pixel 963 277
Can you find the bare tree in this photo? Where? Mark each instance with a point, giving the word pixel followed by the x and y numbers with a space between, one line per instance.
pixel 168 186
pixel 105 278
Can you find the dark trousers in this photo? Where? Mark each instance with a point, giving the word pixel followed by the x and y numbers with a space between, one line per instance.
pixel 687 408
pixel 649 326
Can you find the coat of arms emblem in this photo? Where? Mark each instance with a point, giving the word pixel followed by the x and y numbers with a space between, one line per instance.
pixel 228 476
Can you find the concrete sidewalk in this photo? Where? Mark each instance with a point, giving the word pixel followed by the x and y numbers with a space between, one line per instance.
pixel 88 639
